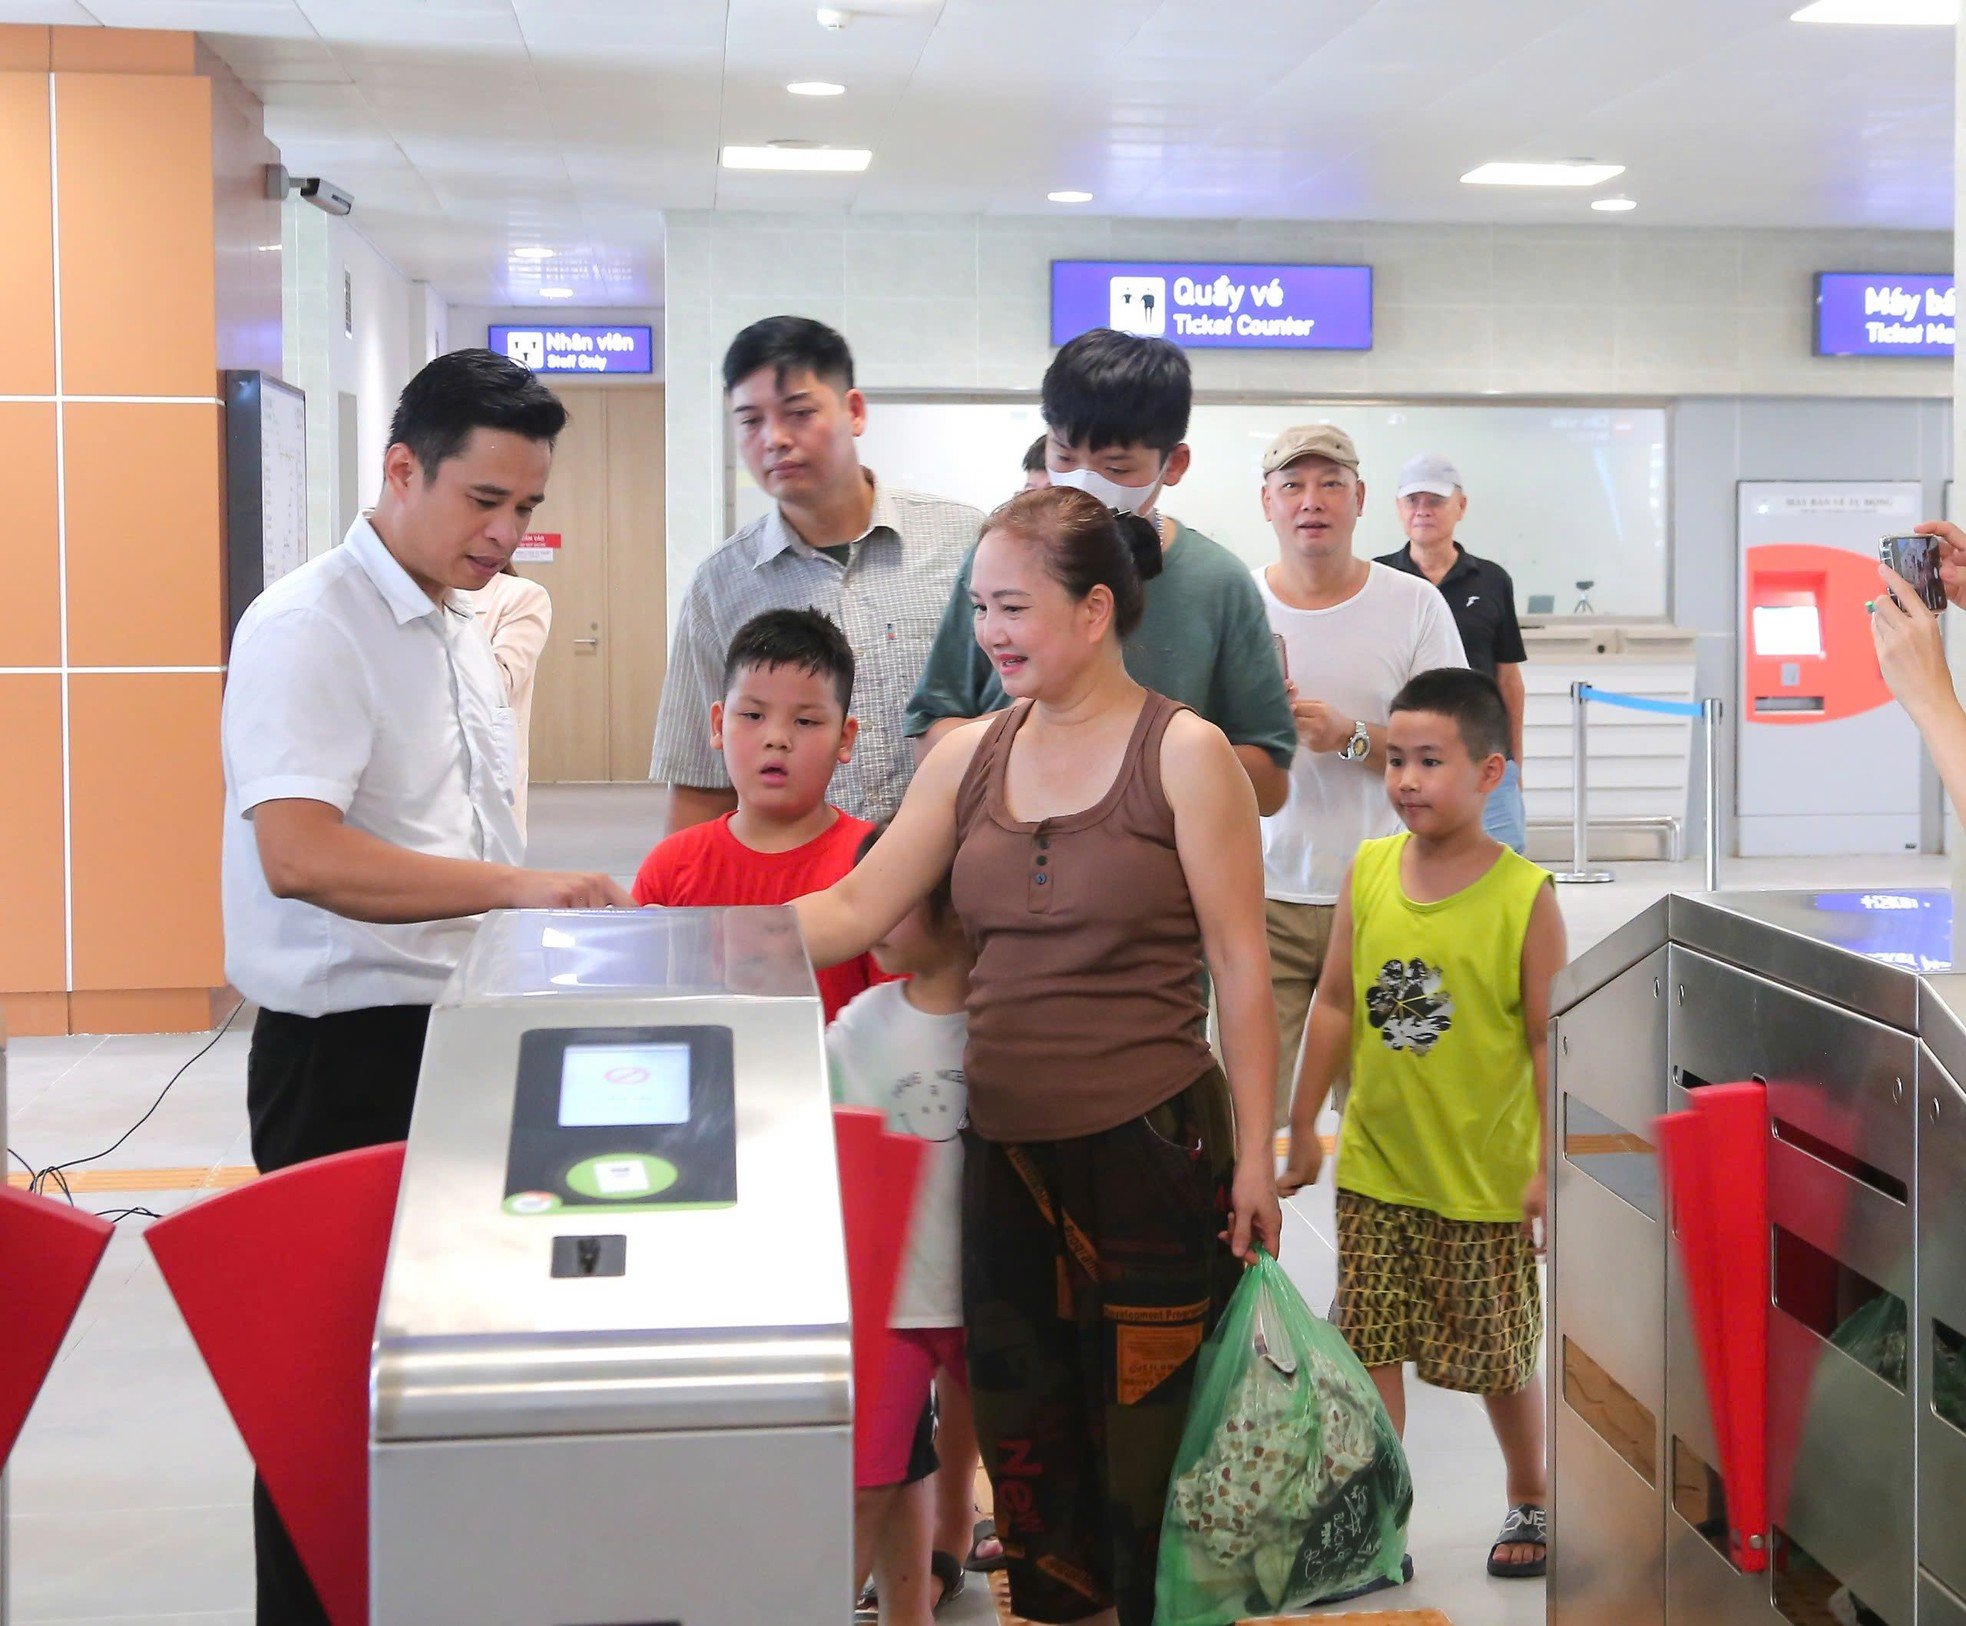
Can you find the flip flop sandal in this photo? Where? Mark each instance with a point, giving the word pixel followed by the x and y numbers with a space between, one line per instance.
pixel 1527 1525
pixel 986 1530
pixel 946 1568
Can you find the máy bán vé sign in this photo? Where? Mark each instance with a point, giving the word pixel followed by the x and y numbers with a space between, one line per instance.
pixel 1210 305
pixel 1862 313
pixel 579 349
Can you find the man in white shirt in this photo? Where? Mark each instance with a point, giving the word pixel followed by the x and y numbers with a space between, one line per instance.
pixel 1352 633
pixel 368 793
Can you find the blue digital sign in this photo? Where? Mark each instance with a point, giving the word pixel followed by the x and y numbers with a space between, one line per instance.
pixel 582 349
pixel 1208 305
pixel 1862 313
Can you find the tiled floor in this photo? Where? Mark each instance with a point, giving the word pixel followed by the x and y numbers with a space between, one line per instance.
pixel 129 1486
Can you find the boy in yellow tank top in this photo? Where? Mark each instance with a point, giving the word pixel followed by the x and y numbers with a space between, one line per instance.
pixel 1436 990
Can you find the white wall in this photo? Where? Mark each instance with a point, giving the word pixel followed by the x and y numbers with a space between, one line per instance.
pixel 961 303
pixel 399 324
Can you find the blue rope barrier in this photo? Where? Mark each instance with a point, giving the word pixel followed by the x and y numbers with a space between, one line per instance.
pixel 1632 702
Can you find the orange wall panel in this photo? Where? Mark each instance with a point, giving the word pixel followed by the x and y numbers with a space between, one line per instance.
pixel 32 952
pixel 30 608
pixel 145 578
pixel 123 50
pixel 27 250
pixel 148 797
pixel 134 168
pixel 24 46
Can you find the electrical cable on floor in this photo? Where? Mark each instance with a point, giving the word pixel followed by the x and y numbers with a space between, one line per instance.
pixel 38 1179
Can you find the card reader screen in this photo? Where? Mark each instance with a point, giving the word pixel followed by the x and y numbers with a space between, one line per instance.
pixel 620 1084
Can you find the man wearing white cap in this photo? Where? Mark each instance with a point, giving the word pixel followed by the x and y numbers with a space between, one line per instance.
pixel 1481 598
pixel 1351 634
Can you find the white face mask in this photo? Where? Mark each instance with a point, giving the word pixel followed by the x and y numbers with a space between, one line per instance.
pixel 1134 499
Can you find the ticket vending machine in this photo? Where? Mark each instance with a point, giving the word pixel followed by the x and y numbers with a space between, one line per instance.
pixel 611 1375
pixel 1826 761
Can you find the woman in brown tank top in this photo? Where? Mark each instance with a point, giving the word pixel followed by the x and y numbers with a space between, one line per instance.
pixel 1102 845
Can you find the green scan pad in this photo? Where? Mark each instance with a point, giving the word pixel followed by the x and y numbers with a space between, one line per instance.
pixel 622 1176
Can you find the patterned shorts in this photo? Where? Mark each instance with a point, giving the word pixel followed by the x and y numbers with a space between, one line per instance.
pixel 1457 1298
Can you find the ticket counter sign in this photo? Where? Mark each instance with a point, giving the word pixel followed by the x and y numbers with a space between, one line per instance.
pixel 580 349
pixel 1210 305
pixel 1860 313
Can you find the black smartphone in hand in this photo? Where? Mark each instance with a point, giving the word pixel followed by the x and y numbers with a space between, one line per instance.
pixel 1916 558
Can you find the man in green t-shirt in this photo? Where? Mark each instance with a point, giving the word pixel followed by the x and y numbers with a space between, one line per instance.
pixel 1116 411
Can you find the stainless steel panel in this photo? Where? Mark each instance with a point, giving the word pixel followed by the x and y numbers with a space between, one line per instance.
pixel 553 952
pixel 1607 1562
pixel 1610 1048
pixel 1703 1589
pixel 1609 957
pixel 1608 1265
pixel 1941 1299
pixel 1942 1020
pixel 1820 943
pixel 724 1528
pixel 1854 1223
pixel 1840 1469
pixel 1938 1604
pixel 1833 1074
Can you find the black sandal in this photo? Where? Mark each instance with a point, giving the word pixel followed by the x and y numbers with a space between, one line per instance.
pixel 948 1569
pixel 986 1530
pixel 1527 1525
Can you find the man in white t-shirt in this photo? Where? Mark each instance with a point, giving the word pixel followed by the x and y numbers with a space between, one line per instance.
pixel 1352 633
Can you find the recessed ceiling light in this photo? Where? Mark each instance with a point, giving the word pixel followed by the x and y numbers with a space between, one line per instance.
pixel 1565 172
pixel 1933 13
pixel 556 293
pixel 532 251
pixel 833 160
pixel 815 87
pixel 1069 197
pixel 1614 206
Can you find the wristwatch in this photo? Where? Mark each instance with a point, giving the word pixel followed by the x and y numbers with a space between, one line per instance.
pixel 1357 746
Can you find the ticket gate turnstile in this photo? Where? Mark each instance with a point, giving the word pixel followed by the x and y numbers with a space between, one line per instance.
pixel 1842 1005
pixel 611 1376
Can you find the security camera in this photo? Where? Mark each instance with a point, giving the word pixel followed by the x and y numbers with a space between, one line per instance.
pixel 324 194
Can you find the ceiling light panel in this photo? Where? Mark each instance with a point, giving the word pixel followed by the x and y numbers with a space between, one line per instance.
pixel 1567 172
pixel 1885 13
pixel 815 87
pixel 821 160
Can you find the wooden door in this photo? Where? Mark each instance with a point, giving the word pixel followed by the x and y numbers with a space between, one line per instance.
pixel 570 696
pixel 638 593
pixel 594 704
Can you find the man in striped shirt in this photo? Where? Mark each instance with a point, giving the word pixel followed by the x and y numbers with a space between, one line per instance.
pixel 880 562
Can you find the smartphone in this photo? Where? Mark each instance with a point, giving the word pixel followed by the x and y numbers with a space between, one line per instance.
pixel 1283 654
pixel 1916 558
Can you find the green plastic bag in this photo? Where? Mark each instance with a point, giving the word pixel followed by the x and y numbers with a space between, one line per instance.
pixel 1290 1487
pixel 1874 1336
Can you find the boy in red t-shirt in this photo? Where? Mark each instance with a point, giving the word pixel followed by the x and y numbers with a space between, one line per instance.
pixel 782 726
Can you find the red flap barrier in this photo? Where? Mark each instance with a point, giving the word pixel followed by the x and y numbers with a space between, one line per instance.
pixel 48 1253
pixel 879 1174
pixel 279 1282
pixel 1715 1160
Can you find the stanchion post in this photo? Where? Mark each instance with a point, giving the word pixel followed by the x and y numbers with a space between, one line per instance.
pixel 1580 872
pixel 1710 715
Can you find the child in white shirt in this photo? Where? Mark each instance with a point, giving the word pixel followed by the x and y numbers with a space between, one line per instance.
pixel 898 1048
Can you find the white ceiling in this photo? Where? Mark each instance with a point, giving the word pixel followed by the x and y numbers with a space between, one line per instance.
pixel 466 128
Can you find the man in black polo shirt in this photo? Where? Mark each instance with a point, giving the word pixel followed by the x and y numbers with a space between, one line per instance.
pixel 1482 600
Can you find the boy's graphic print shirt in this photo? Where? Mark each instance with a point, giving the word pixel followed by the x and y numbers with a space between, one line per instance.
pixel 1442 1113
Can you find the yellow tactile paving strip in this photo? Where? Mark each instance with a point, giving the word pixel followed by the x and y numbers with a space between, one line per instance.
pixel 92 1180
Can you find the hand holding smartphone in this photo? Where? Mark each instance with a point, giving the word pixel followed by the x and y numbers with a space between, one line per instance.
pixel 1916 559
pixel 1283 653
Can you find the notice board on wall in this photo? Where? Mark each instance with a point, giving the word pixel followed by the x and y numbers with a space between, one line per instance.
pixel 265 485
